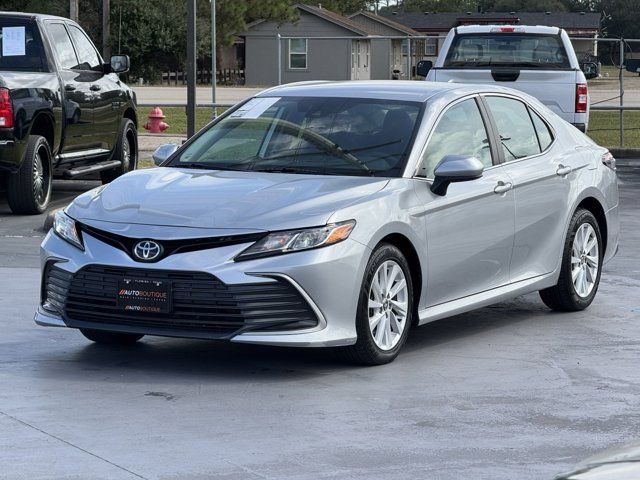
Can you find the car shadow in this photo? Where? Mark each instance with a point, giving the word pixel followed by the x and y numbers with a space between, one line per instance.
pixel 225 360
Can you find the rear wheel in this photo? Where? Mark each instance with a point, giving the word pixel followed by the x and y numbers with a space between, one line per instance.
pixel 385 309
pixel 111 338
pixel 581 266
pixel 29 189
pixel 126 151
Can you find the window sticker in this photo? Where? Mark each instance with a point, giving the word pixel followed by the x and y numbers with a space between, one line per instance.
pixel 13 41
pixel 254 107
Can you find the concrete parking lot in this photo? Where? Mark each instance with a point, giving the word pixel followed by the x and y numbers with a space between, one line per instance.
pixel 512 391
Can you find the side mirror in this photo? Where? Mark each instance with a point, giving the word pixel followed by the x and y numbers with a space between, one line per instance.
pixel 423 67
pixel 590 70
pixel 455 168
pixel 163 152
pixel 119 63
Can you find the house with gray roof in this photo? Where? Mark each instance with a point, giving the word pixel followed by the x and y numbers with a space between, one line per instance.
pixel 323 45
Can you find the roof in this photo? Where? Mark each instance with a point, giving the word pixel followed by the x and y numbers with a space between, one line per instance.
pixel 385 89
pixel 385 21
pixel 572 21
pixel 334 17
pixel 34 16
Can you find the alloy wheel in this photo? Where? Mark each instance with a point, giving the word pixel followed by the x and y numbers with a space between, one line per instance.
pixel 585 260
pixel 39 187
pixel 126 154
pixel 388 304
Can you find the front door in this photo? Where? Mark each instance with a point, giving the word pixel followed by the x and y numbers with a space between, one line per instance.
pixel 360 60
pixel 104 88
pixel 470 229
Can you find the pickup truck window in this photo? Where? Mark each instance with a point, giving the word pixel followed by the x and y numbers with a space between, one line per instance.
pixel 62 45
pixel 88 58
pixel 27 57
pixel 532 51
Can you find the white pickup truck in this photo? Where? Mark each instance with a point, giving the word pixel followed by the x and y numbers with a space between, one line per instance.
pixel 537 60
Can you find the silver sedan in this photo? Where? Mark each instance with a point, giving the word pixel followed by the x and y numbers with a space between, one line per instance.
pixel 339 215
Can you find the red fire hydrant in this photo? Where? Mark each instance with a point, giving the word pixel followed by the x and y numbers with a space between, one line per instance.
pixel 155 123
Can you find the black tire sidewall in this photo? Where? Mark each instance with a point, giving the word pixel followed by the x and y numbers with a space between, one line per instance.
pixel 20 184
pixel 580 218
pixel 127 129
pixel 365 340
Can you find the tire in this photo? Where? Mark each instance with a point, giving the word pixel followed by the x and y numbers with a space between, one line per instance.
pixel 569 295
pixel 126 151
pixel 368 349
pixel 29 189
pixel 111 338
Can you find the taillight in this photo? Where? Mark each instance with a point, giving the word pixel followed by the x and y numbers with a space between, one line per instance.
pixel 581 98
pixel 6 109
pixel 609 161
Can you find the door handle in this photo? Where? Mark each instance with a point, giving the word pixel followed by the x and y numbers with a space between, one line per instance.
pixel 562 170
pixel 69 88
pixel 503 187
pixel 95 88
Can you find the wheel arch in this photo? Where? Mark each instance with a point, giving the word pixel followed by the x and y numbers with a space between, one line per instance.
pixel 593 205
pixel 130 113
pixel 43 125
pixel 402 243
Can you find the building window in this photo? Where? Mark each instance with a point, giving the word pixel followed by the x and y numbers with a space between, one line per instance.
pixel 431 47
pixel 298 53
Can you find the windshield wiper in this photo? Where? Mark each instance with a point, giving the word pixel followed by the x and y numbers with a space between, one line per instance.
pixel 205 166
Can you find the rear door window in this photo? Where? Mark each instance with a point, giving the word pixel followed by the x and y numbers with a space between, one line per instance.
pixel 545 137
pixel 517 134
pixel 20 46
pixel 62 45
pixel 482 50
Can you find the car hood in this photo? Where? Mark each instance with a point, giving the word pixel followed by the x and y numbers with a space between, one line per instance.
pixel 222 199
pixel 626 457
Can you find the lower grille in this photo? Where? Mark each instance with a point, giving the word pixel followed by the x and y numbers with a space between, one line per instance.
pixel 202 305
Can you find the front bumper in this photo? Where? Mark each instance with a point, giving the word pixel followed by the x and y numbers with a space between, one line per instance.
pixel 327 278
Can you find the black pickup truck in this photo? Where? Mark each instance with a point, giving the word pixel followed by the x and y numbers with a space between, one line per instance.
pixel 63 111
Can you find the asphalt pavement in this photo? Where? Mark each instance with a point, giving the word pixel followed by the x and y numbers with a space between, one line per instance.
pixel 511 391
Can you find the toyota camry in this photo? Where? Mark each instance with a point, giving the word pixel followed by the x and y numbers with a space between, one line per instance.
pixel 338 214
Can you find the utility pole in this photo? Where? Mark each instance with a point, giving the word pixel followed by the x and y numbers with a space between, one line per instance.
pixel 106 40
pixel 73 10
pixel 191 68
pixel 213 57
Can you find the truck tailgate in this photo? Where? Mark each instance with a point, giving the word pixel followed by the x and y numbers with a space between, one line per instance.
pixel 555 89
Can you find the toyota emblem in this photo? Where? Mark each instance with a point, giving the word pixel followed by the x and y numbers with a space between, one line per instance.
pixel 147 250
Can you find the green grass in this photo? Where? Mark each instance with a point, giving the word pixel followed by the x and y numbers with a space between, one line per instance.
pixel 176 117
pixel 604 129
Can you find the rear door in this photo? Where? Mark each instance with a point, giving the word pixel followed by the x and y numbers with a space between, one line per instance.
pixel 79 132
pixel 537 64
pixel 541 171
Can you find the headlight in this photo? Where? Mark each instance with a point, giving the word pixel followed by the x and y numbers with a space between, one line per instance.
pixel 65 228
pixel 296 240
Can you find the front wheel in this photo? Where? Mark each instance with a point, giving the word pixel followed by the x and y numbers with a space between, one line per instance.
pixel 111 338
pixel 126 151
pixel 581 266
pixel 29 189
pixel 385 309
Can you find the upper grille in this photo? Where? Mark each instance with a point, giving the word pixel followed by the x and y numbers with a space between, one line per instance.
pixel 202 305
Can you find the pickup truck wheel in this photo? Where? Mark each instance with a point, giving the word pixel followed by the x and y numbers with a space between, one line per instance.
pixel 29 189
pixel 126 151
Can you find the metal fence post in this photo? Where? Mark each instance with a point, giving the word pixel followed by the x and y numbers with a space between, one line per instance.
pixel 621 76
pixel 409 76
pixel 214 63
pixel 279 40
pixel 191 68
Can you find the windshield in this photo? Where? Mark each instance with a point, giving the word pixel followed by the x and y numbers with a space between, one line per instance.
pixel 20 46
pixel 309 135
pixel 507 49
